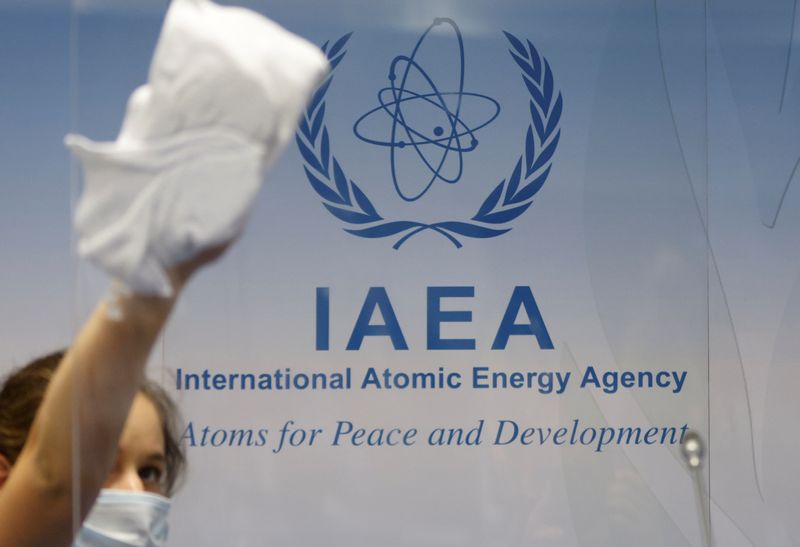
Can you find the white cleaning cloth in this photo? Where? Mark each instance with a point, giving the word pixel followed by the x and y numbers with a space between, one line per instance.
pixel 225 91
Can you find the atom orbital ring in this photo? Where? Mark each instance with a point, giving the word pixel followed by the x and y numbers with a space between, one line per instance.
pixel 416 137
pixel 463 130
pixel 397 111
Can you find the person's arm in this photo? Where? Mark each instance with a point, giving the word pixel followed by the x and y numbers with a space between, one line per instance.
pixel 104 369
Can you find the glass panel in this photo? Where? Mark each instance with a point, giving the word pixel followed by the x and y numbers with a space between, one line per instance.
pixel 755 145
pixel 603 187
pixel 460 202
pixel 644 225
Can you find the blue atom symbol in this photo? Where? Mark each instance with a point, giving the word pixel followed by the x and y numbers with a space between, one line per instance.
pixel 450 138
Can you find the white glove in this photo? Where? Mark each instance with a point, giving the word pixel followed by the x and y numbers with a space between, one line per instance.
pixel 225 91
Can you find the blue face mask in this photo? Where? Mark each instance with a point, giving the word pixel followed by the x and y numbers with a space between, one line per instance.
pixel 122 518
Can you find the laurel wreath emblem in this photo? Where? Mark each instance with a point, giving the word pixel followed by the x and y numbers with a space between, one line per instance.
pixel 344 199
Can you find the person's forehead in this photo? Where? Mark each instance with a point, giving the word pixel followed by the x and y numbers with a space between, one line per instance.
pixel 142 433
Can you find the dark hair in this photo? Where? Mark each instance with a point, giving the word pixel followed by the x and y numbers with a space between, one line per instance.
pixel 24 389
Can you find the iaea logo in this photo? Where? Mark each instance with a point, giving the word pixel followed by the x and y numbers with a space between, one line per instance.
pixel 435 128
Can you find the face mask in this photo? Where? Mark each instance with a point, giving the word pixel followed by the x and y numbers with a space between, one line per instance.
pixel 122 518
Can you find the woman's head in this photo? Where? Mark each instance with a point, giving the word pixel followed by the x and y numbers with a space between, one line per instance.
pixel 150 456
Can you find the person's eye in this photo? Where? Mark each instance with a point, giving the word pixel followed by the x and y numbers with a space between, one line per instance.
pixel 151 474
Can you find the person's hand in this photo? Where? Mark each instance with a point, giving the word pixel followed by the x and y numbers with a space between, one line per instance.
pixel 181 273
pixel 147 313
